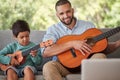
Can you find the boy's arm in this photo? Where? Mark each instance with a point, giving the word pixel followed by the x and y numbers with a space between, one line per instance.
pixel 13 61
pixel 4 59
pixel 3 67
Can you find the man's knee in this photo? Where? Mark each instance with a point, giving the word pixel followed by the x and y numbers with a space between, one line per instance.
pixel 98 56
pixel 48 64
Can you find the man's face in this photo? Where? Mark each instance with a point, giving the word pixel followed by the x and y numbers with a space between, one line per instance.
pixel 65 13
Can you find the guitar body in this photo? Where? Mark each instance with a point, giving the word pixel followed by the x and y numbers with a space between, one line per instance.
pixel 67 59
pixel 20 58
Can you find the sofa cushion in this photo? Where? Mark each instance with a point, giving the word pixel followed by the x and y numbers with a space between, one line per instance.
pixel 73 77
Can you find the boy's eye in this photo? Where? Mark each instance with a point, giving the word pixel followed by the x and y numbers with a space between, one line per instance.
pixel 21 37
pixel 24 37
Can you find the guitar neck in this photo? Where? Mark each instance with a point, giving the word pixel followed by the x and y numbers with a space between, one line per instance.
pixel 107 34
pixel 36 47
pixel 26 52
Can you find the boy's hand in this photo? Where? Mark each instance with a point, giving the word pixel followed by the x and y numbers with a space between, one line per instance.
pixel 3 67
pixel 33 53
pixel 10 55
pixel 14 62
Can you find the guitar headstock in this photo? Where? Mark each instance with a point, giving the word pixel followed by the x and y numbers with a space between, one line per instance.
pixel 46 43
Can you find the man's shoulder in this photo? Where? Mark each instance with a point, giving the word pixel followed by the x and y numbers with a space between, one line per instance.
pixel 85 22
pixel 55 26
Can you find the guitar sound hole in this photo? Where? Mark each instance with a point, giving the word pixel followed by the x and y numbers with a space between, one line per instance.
pixel 90 41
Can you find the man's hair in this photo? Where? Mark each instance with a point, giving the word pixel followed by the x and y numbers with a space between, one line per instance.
pixel 19 26
pixel 62 2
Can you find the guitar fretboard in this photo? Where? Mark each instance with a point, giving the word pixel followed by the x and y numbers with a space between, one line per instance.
pixel 26 52
pixel 106 34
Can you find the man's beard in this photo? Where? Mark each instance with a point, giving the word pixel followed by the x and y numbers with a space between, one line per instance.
pixel 69 22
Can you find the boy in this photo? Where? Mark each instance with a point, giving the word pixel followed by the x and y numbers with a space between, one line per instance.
pixel 27 69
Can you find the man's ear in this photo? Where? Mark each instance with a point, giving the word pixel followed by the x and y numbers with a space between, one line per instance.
pixel 72 10
pixel 56 14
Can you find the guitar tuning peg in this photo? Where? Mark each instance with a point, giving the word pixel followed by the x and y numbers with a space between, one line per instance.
pixel 46 43
pixel 42 44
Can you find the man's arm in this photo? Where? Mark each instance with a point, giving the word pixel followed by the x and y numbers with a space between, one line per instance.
pixel 56 49
pixel 112 46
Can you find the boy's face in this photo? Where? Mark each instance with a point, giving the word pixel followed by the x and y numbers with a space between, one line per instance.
pixel 23 38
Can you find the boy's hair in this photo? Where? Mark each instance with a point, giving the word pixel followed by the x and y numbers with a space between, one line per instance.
pixel 19 26
pixel 61 2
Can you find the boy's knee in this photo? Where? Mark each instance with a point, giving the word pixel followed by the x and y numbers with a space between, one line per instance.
pixel 27 68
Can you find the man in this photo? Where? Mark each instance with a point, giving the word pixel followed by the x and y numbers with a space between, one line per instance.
pixel 68 25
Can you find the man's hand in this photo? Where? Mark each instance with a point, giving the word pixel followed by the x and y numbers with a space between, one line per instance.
pixel 82 46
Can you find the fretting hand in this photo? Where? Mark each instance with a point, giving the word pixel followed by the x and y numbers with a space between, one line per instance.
pixel 33 53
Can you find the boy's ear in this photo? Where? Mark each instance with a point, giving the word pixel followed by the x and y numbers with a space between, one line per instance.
pixel 14 37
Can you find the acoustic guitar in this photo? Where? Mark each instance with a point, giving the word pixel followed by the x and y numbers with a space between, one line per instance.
pixel 95 38
pixel 21 55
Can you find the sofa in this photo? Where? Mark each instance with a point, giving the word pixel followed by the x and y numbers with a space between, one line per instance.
pixel 36 36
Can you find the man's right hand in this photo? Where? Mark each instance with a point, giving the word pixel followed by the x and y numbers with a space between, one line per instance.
pixel 82 46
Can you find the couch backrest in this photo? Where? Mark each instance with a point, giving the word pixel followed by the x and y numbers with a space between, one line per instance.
pixel 6 37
